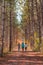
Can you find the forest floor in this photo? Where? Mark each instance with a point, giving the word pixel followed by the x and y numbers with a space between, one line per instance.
pixel 22 58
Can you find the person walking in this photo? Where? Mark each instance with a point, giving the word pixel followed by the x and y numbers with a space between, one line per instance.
pixel 18 46
pixel 25 46
pixel 22 46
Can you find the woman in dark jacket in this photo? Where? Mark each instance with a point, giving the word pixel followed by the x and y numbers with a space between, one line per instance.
pixel 18 46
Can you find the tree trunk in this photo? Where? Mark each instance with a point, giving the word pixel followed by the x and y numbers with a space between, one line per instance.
pixel 10 45
pixel 3 26
pixel 42 10
pixel 38 20
pixel 32 23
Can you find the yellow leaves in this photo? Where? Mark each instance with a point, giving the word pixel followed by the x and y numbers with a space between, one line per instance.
pixel 35 37
pixel 35 33
pixel 25 17
pixel 26 8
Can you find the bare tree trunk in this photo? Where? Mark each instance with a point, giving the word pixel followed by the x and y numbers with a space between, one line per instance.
pixel 3 26
pixel 25 35
pixel 29 23
pixel 10 45
pixel 32 23
pixel 41 14
pixel 38 19
pixel 42 10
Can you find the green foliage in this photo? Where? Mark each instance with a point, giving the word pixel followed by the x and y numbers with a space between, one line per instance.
pixel 36 46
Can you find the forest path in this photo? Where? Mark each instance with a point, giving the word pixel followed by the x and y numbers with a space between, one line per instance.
pixel 22 58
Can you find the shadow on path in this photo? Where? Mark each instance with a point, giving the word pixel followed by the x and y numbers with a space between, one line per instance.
pixel 21 59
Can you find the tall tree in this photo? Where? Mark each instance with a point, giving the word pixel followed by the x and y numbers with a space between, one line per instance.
pixel 42 10
pixel 38 19
pixel 10 27
pixel 3 26
pixel 32 22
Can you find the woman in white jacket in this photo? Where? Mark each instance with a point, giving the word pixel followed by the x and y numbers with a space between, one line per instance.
pixel 25 46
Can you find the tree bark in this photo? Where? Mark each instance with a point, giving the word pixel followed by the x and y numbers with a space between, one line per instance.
pixel 3 26
pixel 10 45
pixel 38 20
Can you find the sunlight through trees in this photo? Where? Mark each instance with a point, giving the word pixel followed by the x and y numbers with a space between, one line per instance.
pixel 21 20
